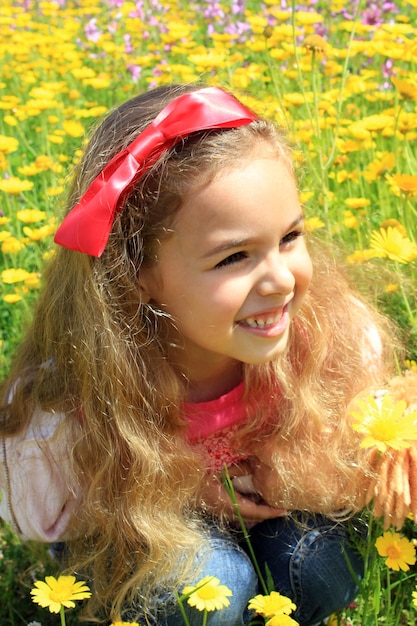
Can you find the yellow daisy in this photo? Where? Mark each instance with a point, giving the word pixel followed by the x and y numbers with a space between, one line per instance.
pixel 385 424
pixel 357 203
pixel 414 594
pixel 272 605
pixel 407 89
pixel 59 592
pixel 14 185
pixel 12 298
pixel 399 551
pixel 391 243
pixel 29 216
pixel 14 275
pixel 315 43
pixel 406 182
pixel 208 594
pixel 313 223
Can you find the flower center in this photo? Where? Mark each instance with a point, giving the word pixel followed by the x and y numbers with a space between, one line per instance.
pixel 393 552
pixel 207 592
pixel 61 594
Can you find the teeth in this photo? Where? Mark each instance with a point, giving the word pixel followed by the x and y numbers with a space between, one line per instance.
pixel 261 323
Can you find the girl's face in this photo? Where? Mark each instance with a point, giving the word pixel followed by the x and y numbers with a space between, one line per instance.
pixel 234 269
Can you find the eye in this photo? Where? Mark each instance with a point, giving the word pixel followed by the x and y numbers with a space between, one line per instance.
pixel 232 259
pixel 291 237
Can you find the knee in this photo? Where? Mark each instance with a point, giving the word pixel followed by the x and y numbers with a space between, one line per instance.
pixel 225 560
pixel 315 566
pixel 324 572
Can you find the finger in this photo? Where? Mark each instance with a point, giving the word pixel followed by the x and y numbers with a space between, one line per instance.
pixel 239 469
pixel 253 512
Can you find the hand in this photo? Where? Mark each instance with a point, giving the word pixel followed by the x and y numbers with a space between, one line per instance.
pixel 216 500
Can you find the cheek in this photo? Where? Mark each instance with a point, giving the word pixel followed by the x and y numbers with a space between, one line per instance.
pixel 303 272
pixel 227 297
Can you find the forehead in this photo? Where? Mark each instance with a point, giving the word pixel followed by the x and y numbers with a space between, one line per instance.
pixel 261 193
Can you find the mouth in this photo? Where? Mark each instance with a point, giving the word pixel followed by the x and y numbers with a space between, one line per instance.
pixel 270 323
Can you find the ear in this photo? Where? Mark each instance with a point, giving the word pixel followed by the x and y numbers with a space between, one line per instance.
pixel 145 281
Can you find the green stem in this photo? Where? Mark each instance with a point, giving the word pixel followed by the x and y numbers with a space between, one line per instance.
pixel 231 493
pixel 340 100
pixel 410 313
pixel 62 614
pixel 180 604
pixel 205 618
pixel 388 593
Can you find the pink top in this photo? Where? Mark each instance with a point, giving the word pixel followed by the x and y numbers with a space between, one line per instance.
pixel 213 424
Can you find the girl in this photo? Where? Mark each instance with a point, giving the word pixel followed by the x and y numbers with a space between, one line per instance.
pixel 181 328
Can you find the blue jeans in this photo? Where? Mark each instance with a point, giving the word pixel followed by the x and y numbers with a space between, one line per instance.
pixel 312 565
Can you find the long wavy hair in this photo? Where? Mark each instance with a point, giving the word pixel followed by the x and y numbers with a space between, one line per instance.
pixel 94 349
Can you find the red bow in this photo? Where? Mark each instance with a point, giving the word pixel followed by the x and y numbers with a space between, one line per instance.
pixel 86 228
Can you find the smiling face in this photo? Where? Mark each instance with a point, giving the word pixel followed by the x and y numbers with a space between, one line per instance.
pixel 234 268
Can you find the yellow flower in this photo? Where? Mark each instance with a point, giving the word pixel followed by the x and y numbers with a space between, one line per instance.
pixel 32 280
pixel 4 234
pixel 56 593
pixel 55 191
pixel 12 276
pixel 350 220
pixel 315 43
pixel 376 122
pixel 308 17
pixel 208 594
pixel 73 128
pixel 124 624
pixel 357 203
pixel 30 215
pixel 361 256
pixel 383 424
pixel 391 243
pixel 37 234
pixel 399 551
pixel 8 144
pixel 414 594
pixel 395 224
pixel 272 605
pixel 11 245
pixel 12 298
pixel 391 287
pixel 407 89
pixel 15 185
pixel 405 182
pixel 380 166
pixel 313 223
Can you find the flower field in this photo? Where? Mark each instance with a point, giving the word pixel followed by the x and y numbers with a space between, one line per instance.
pixel 341 77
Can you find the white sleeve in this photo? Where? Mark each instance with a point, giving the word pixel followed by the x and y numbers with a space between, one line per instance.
pixel 372 349
pixel 39 493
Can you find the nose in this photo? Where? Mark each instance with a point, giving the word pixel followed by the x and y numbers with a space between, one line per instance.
pixel 275 276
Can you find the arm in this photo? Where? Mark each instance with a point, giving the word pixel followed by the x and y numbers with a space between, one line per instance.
pixel 39 494
pixel 308 480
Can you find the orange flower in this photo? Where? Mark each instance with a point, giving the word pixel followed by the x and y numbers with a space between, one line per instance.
pixel 315 43
pixel 406 182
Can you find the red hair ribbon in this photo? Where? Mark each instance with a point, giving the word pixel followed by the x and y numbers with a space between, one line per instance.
pixel 86 228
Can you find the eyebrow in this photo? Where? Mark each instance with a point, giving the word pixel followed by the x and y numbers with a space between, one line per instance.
pixel 231 244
